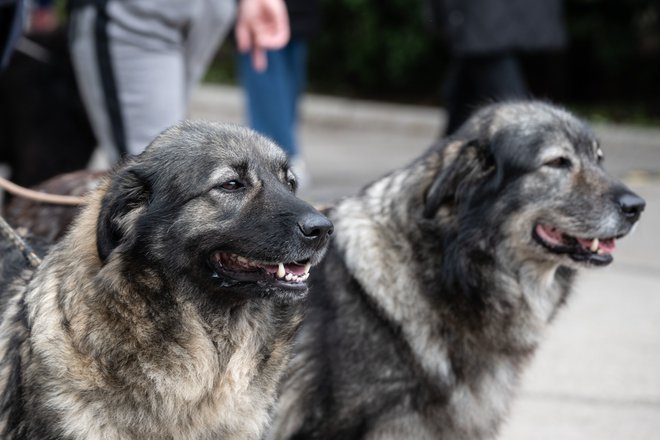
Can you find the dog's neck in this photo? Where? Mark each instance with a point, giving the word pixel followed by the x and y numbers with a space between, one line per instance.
pixel 480 305
pixel 471 317
pixel 452 345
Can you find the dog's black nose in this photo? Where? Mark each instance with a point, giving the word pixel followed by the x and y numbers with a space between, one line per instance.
pixel 315 226
pixel 631 205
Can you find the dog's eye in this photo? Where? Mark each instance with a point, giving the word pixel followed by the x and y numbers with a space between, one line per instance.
pixel 291 181
pixel 231 185
pixel 559 162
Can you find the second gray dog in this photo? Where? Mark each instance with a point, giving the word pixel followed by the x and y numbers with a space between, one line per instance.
pixel 443 276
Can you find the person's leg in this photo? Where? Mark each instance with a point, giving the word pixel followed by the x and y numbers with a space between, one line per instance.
pixel 89 79
pixel 130 70
pixel 297 67
pixel 147 50
pixel 456 92
pixel 210 22
pixel 498 77
pixel 473 81
pixel 267 94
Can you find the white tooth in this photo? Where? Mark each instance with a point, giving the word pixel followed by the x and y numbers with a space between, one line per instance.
pixel 288 277
pixel 304 277
pixel 307 266
pixel 594 245
pixel 601 252
pixel 242 260
pixel 280 271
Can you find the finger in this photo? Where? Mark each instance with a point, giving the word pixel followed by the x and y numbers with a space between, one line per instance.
pixel 274 38
pixel 243 37
pixel 259 59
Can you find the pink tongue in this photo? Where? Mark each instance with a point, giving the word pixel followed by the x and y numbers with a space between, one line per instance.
pixel 549 234
pixel 294 269
pixel 608 245
pixel 585 243
pixel 289 268
pixel 271 268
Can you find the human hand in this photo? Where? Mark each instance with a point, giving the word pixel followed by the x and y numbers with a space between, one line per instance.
pixel 261 25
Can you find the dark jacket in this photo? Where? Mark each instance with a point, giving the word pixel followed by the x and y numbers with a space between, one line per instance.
pixel 304 17
pixel 478 27
pixel 11 27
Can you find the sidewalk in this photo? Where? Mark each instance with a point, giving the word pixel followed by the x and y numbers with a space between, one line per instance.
pixel 598 374
pixel 337 134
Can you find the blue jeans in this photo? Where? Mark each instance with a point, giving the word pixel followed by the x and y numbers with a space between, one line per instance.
pixel 272 95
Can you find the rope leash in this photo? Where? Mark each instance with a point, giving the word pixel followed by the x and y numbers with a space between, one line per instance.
pixel 18 241
pixel 39 196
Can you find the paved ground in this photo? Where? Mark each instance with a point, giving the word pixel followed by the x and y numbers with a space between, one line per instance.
pixel 598 374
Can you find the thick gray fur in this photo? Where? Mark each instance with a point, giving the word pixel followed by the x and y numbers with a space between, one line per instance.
pixel 435 293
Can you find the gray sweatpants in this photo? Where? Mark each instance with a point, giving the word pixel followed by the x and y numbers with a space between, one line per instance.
pixel 137 62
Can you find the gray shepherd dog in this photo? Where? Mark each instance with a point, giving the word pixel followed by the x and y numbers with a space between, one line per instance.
pixel 168 310
pixel 444 274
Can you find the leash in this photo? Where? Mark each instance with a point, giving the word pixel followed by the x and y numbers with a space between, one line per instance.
pixel 37 196
pixel 17 240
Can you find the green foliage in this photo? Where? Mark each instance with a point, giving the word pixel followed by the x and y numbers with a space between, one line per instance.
pixel 388 49
pixel 614 58
pixel 375 48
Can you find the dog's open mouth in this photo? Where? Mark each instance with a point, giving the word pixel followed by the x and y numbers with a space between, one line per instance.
pixel 241 269
pixel 597 251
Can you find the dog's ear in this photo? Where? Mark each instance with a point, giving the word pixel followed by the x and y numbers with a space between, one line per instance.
pixel 469 162
pixel 126 194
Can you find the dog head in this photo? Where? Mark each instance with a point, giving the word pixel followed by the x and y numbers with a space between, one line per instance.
pixel 533 174
pixel 212 206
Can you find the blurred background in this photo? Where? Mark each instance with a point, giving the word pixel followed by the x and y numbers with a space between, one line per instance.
pixel 376 98
pixel 606 67
pixel 393 51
